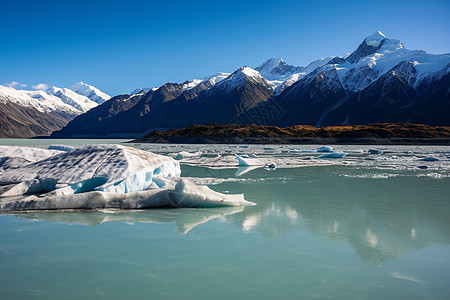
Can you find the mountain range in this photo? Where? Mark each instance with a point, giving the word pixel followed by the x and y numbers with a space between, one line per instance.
pixel 26 113
pixel 380 82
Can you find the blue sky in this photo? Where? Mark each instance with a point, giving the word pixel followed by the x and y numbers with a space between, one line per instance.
pixel 121 45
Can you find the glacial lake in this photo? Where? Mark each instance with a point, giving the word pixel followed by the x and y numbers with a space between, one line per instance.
pixel 367 226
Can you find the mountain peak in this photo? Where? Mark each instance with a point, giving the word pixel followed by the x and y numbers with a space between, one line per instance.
pixel 275 66
pixel 375 39
pixel 270 65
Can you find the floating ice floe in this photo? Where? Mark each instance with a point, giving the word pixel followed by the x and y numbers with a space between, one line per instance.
pixel 184 154
pixel 375 151
pixel 325 149
pixel 102 176
pixel 333 155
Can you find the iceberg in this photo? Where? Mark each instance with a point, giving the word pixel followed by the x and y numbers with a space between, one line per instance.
pixel 109 168
pixel 103 176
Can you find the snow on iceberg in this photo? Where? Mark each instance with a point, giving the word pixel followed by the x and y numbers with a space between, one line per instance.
pixel 104 176
pixel 28 153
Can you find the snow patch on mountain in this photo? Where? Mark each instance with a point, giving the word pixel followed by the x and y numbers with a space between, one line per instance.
pixel 91 92
pixel 241 76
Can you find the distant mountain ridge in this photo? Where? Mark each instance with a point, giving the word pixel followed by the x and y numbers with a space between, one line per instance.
pixel 380 81
pixel 30 113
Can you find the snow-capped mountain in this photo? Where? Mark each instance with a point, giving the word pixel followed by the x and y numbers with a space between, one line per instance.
pixel 380 81
pixel 28 113
pixel 91 92
pixel 38 100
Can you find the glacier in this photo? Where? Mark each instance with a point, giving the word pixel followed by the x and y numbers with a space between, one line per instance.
pixel 99 176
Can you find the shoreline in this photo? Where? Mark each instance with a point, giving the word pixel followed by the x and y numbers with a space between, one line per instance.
pixel 372 134
pixel 296 141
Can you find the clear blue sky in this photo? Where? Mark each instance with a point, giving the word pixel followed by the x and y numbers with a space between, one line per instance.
pixel 121 45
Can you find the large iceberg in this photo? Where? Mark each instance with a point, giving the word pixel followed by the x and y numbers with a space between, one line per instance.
pixel 100 176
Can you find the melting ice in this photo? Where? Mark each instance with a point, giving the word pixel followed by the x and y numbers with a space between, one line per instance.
pixel 99 176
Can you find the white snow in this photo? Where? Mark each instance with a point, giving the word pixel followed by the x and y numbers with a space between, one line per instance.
pixel 79 102
pixel 38 100
pixel 244 160
pixel 29 153
pixel 91 92
pixel 240 77
pixel 391 53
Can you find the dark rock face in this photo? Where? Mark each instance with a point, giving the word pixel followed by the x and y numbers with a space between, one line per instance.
pixel 363 50
pixel 24 122
pixel 305 101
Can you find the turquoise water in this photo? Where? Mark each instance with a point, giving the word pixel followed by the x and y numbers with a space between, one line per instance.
pixel 318 232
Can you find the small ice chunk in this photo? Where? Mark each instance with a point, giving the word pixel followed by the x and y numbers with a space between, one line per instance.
pixel 325 149
pixel 185 154
pixel 429 158
pixel 375 151
pixel 333 155
pixel 60 147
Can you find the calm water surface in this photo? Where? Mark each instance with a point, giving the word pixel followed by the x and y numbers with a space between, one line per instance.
pixel 327 232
